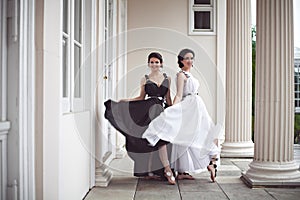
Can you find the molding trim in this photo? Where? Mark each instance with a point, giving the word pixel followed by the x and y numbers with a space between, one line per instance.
pixel 221 66
pixel 93 98
pixel 4 128
pixel 27 100
pixel 3 60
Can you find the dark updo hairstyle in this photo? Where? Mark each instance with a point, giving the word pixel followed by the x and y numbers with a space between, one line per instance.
pixel 155 55
pixel 181 55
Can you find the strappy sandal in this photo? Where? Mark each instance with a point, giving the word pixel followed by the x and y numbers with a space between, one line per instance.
pixel 153 177
pixel 170 177
pixel 212 167
pixel 184 175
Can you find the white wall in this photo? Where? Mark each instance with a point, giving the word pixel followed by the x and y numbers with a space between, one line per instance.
pixel 162 25
pixel 74 155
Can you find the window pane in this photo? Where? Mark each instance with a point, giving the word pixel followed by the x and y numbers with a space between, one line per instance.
pixel 77 71
pixel 106 8
pixel 78 18
pixel 202 20
pixel 201 1
pixel 65 16
pixel 65 67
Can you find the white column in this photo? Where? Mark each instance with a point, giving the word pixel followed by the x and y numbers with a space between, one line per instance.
pixel 238 141
pixel 273 163
pixel 121 82
pixel 103 156
pixel 3 62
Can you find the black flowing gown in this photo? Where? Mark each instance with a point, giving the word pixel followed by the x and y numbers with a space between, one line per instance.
pixel 132 118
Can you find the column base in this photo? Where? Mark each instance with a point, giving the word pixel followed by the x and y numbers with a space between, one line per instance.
pixel 103 176
pixel 270 174
pixel 237 149
pixel 120 153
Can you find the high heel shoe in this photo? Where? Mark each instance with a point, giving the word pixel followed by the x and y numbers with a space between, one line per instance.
pixel 212 167
pixel 170 177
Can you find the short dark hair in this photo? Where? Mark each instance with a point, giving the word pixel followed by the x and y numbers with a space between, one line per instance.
pixel 155 55
pixel 181 55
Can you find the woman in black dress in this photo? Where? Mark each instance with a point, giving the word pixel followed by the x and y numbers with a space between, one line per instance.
pixel 132 116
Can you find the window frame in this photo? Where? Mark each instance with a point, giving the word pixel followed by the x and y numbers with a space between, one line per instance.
pixel 297 85
pixel 70 103
pixel 206 7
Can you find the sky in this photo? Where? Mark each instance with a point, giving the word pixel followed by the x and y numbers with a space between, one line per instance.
pixel 296 22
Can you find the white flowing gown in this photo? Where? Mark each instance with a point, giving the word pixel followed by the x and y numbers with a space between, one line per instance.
pixel 189 127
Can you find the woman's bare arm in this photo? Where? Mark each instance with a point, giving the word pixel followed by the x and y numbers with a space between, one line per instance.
pixel 180 83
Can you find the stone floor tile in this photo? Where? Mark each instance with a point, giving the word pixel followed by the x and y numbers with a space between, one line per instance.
pixel 155 185
pixel 198 185
pixel 225 161
pixel 228 168
pixel 235 173
pixel 99 194
pixel 229 179
pixel 157 195
pixel 284 193
pixel 243 165
pixel 237 191
pixel 123 183
pixel 203 195
pixel 228 186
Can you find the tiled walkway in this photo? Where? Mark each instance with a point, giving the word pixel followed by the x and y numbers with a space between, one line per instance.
pixel 228 186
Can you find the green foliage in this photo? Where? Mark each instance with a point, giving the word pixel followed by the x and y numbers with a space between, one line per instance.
pixel 297 129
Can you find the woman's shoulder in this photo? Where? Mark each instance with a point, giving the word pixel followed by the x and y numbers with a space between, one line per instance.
pixel 166 75
pixel 144 79
pixel 182 74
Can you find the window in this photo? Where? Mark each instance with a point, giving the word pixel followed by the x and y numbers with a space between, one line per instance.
pixel 202 19
pixel 72 55
pixel 297 85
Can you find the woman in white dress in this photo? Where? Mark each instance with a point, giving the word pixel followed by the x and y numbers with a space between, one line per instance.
pixel 188 126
